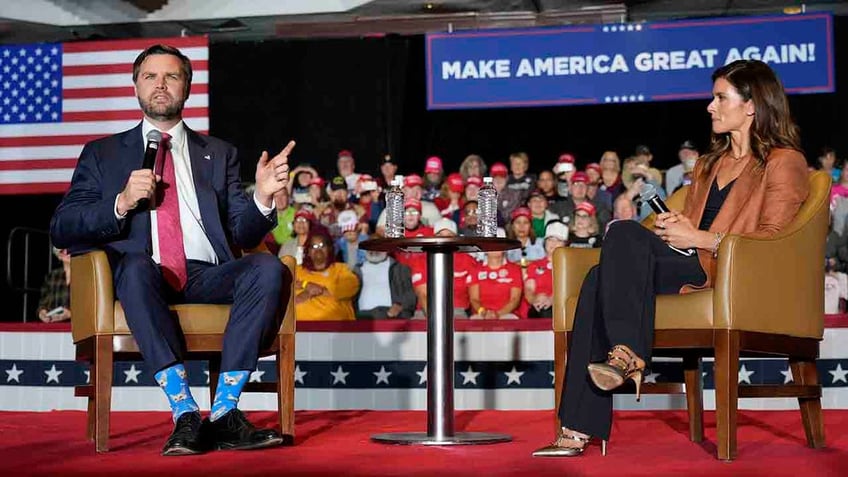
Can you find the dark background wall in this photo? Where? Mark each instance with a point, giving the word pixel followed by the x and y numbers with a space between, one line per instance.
pixel 368 95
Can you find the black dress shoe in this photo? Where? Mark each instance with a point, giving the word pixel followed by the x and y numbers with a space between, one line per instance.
pixel 185 440
pixel 234 431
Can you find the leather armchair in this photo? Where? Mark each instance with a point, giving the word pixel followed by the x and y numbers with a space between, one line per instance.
pixel 768 299
pixel 102 336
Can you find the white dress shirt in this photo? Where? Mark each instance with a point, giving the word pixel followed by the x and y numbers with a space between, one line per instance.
pixel 195 241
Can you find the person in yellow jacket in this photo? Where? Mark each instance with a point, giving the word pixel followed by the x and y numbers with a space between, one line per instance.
pixel 324 288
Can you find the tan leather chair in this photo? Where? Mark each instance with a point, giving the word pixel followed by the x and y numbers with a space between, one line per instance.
pixel 768 300
pixel 101 336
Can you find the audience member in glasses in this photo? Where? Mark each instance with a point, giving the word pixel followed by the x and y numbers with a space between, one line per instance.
pixel 324 288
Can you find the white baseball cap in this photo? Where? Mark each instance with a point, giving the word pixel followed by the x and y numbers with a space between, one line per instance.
pixel 444 224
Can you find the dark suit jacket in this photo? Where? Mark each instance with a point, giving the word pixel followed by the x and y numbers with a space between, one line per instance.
pixel 85 219
pixel 762 201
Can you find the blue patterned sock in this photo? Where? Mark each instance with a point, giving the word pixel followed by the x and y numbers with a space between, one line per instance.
pixel 174 382
pixel 230 384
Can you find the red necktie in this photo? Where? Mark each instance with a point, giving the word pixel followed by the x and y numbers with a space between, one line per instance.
pixel 171 251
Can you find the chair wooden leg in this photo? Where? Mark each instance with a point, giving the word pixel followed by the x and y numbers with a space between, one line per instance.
pixel 694 397
pixel 560 355
pixel 726 391
pixel 285 385
pixel 804 372
pixel 214 373
pixel 101 374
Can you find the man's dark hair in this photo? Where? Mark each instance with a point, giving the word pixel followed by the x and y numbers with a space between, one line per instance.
pixel 160 49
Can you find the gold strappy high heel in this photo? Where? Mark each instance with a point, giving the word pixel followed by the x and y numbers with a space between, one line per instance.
pixel 559 449
pixel 622 364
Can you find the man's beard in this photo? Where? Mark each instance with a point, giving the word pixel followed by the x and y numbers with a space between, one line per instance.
pixel 167 112
pixel 340 204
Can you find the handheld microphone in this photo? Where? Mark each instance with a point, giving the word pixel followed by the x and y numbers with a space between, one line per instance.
pixel 153 139
pixel 648 193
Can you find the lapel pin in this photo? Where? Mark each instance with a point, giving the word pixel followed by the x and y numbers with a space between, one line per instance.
pixel 207 157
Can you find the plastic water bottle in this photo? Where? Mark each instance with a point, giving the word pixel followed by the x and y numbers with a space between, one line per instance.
pixel 487 209
pixel 394 209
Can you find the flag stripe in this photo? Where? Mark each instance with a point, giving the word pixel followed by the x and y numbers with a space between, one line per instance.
pixel 113 80
pixel 122 103
pixel 185 44
pixel 101 128
pixel 35 188
pixel 39 175
pixel 118 68
pixel 119 91
pixel 44 164
pixel 127 114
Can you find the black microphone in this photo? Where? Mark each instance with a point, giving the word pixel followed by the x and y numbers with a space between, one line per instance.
pixel 153 139
pixel 648 193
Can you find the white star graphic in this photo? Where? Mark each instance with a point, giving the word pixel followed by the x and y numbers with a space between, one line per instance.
pixel 513 376
pixel 256 376
pixel 744 375
pixel 87 376
pixel 838 374
pixel 553 377
pixel 469 376
pixel 422 375
pixel 382 375
pixel 652 378
pixel 132 375
pixel 14 374
pixel 53 374
pixel 298 374
pixel 206 372
pixel 787 376
pixel 339 376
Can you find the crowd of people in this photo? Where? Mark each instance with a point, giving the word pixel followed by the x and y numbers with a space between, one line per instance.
pixel 322 219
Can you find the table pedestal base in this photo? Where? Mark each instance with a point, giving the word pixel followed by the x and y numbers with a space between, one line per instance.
pixel 422 439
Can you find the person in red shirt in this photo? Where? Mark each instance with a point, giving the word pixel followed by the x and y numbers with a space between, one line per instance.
pixel 450 199
pixel 539 284
pixel 495 288
pixel 464 266
pixel 417 262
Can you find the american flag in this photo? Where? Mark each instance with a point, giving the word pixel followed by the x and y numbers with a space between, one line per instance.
pixel 55 97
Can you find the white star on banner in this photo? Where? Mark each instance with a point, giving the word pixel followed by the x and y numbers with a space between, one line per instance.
pixel 553 377
pixel 339 376
pixel 744 374
pixel 469 376
pixel 422 375
pixel 652 378
pixel 206 372
pixel 298 374
pixel 53 374
pixel 787 376
pixel 256 376
pixel 87 376
pixel 14 374
pixel 838 374
pixel 513 376
pixel 382 375
pixel 132 374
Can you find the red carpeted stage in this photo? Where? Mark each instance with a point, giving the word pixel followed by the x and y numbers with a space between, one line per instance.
pixel 337 443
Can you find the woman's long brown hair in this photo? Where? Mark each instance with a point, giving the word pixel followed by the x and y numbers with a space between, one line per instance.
pixel 773 126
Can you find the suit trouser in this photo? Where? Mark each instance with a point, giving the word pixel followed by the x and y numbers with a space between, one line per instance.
pixel 256 285
pixel 616 306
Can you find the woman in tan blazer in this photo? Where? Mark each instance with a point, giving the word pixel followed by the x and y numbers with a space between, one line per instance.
pixel 752 181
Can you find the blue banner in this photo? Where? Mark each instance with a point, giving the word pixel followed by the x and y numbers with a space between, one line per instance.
pixel 621 63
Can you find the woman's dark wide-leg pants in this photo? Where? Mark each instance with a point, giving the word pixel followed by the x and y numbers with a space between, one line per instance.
pixel 616 306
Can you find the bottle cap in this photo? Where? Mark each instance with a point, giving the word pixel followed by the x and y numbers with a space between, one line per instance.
pixel 487 180
pixel 398 180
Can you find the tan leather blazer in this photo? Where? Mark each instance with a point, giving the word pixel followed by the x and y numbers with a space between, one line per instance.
pixel 761 202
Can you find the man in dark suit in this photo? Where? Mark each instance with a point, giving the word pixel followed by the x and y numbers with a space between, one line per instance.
pixel 168 236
